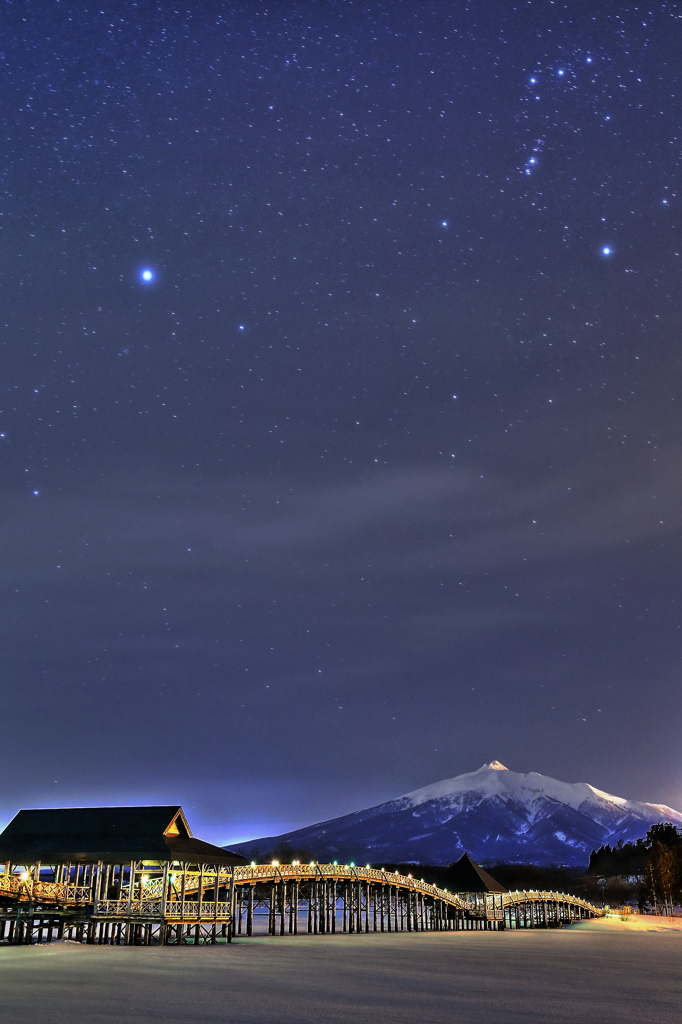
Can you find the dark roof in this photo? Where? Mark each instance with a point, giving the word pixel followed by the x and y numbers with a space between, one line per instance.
pixel 468 876
pixel 110 834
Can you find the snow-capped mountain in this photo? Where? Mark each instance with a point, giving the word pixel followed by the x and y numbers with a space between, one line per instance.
pixel 494 814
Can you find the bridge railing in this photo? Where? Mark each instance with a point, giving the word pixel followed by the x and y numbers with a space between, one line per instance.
pixel 174 910
pixel 537 896
pixel 310 872
pixel 27 890
pixel 151 893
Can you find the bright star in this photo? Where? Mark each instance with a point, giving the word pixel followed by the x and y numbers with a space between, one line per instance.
pixel 533 81
pixel 443 223
pixel 36 493
pixel 606 250
pixel 147 275
pixel 532 160
pixel 560 71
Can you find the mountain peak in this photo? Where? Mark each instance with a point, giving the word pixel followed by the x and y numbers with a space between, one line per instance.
pixel 494 814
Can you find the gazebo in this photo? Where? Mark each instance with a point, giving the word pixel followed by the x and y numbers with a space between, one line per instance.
pixel 113 871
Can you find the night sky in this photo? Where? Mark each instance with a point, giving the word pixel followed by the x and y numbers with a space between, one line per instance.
pixel 339 402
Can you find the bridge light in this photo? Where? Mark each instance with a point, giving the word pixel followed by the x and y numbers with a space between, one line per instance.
pixel 145 879
pixel 352 865
pixel 409 876
pixel 336 862
pixel 24 876
pixel 275 863
pixel 253 863
pixel 366 865
pixel 383 869
pixel 296 863
pixel 312 864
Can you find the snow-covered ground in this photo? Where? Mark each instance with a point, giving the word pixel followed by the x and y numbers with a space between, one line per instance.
pixel 592 973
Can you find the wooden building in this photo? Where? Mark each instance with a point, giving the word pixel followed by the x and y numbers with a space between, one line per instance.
pixel 124 874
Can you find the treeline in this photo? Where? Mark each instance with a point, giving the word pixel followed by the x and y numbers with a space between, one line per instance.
pixel 652 866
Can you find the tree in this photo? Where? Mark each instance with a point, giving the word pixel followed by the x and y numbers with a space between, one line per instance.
pixel 664 868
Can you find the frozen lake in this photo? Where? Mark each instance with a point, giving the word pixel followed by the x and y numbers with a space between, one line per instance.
pixel 592 972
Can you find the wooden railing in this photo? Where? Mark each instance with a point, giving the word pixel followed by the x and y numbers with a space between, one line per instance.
pixel 26 890
pixel 149 901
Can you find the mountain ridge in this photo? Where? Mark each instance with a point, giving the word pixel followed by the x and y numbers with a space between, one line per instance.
pixel 492 813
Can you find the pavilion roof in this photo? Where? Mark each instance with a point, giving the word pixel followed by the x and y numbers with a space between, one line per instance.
pixel 465 875
pixel 110 834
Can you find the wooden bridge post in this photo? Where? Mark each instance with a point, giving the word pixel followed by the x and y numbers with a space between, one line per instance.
pixel 282 906
pixel 296 899
pixel 249 910
pixel 344 906
pixel 310 908
pixel 358 907
pixel 270 909
pixel 238 912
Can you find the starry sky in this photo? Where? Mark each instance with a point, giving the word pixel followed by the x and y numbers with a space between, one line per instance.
pixel 339 402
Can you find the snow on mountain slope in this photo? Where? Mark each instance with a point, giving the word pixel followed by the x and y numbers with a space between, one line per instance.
pixel 493 813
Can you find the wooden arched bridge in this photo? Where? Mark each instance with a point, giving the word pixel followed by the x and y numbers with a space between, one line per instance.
pixel 138 876
pixel 179 904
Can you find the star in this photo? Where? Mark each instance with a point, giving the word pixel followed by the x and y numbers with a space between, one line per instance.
pixel 147 275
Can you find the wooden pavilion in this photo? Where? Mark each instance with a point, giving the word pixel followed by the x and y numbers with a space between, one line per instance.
pixel 113 873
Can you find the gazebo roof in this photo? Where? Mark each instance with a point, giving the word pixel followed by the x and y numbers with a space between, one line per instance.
pixel 465 875
pixel 110 834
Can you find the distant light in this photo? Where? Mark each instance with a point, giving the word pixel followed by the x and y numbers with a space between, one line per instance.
pixel 588 60
pixel 241 327
pixel 532 160
pixel 147 275
pixel 443 223
pixel 560 71
pixel 606 250
pixel 533 81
